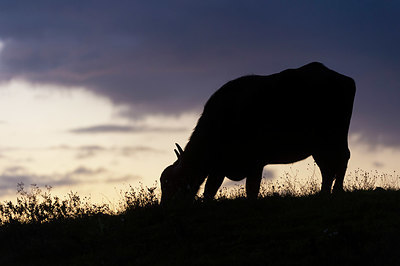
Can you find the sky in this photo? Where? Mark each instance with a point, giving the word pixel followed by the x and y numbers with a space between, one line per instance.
pixel 94 94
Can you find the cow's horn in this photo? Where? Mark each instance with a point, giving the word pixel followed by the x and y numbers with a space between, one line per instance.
pixel 179 148
pixel 177 153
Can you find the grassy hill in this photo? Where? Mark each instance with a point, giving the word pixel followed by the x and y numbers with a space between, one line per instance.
pixel 358 227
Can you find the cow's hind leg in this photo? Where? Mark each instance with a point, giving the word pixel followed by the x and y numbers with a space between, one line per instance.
pixel 328 175
pixel 253 182
pixel 333 168
pixel 213 183
pixel 340 171
pixel 339 178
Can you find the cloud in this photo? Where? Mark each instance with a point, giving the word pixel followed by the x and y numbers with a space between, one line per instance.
pixel 123 179
pixel 13 175
pixel 129 151
pixel 267 174
pixel 122 129
pixel 90 151
pixel 84 171
pixel 104 129
pixel 168 58
pixel 378 164
pixel 13 170
pixel 12 159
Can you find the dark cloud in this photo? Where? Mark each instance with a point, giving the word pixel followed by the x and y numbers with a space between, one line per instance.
pixel 167 58
pixel 123 129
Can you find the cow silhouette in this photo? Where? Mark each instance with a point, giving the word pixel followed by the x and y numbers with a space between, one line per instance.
pixel 256 120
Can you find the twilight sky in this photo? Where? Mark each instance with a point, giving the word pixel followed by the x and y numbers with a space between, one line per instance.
pixel 93 94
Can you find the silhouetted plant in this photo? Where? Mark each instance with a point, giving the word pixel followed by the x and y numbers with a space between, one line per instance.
pixel 38 205
pixel 139 198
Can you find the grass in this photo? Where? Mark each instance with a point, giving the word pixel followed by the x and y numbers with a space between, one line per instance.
pixel 289 224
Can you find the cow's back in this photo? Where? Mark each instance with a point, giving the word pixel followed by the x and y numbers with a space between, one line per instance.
pixel 256 115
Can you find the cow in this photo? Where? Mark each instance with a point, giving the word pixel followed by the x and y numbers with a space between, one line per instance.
pixel 257 120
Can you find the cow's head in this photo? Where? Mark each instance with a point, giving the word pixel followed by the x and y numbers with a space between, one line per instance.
pixel 172 179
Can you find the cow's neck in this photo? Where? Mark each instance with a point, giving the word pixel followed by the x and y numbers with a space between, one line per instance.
pixel 193 163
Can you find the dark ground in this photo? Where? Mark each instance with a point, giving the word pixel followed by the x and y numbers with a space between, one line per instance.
pixel 352 228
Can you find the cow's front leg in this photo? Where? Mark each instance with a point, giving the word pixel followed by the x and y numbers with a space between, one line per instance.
pixel 213 183
pixel 253 182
